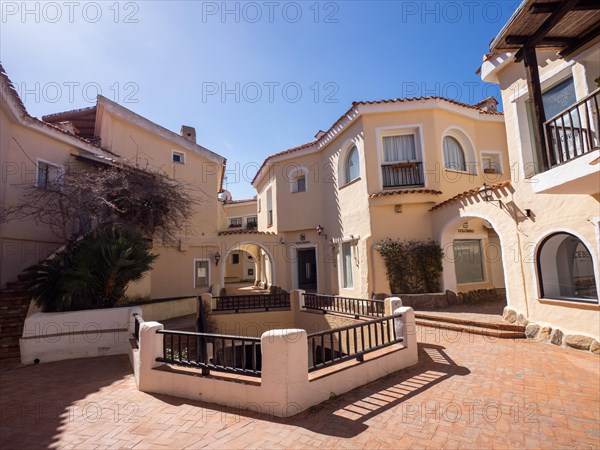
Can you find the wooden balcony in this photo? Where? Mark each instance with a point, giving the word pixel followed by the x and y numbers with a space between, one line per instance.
pixel 402 174
pixel 573 132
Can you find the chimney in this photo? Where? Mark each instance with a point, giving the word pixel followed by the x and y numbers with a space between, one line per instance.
pixel 488 104
pixel 189 133
pixel 319 135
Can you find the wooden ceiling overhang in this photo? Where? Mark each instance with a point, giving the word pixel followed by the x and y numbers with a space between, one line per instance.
pixel 564 26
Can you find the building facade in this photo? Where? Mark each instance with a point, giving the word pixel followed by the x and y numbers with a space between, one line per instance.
pixel 374 175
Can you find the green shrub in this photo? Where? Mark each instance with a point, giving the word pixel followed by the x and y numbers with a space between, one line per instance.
pixel 92 272
pixel 413 267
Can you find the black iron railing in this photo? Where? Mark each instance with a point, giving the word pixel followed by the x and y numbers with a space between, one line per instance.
pixel 575 131
pixel 245 302
pixel 345 305
pixel 402 174
pixel 218 352
pixel 137 321
pixel 353 341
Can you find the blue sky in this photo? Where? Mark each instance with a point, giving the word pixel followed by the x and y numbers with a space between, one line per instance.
pixel 253 78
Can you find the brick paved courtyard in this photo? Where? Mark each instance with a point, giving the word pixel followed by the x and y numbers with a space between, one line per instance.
pixel 467 391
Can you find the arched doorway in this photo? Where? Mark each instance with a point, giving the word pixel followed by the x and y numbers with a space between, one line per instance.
pixel 473 258
pixel 247 269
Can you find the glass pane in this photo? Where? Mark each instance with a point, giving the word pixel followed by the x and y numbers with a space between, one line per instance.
pixel 454 156
pixel 301 183
pixel 352 165
pixel 566 269
pixel 347 265
pixel 201 272
pixel 468 261
pixel 399 148
pixel 559 98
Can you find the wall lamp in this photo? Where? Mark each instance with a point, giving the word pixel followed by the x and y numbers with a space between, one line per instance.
pixel 320 230
pixel 217 258
pixel 487 193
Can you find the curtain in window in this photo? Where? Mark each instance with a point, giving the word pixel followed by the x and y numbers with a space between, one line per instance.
pixel 454 156
pixel 347 264
pixel 399 148
pixel 352 165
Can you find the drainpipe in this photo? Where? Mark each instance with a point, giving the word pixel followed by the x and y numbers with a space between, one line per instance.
pixel 518 233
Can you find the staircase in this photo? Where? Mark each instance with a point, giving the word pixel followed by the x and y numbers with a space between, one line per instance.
pixel 14 304
pixel 495 329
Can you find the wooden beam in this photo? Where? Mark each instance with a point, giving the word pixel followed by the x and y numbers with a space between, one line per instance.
pixel 551 41
pixel 554 18
pixel 550 7
pixel 587 37
pixel 537 111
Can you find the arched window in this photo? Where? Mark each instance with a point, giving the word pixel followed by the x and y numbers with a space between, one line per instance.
pixel 566 269
pixel 454 155
pixel 298 180
pixel 352 165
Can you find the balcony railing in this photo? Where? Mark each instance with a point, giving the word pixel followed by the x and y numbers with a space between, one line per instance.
pixel 574 132
pixel 402 174
pixel 248 302
pixel 353 306
pixel 352 341
pixel 218 352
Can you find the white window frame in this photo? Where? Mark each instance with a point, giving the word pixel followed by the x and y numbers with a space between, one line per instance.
pixel 180 154
pixel 49 163
pixel 472 162
pixel 195 278
pixel 395 130
pixel 500 161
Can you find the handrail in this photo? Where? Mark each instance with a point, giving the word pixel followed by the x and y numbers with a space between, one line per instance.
pixel 574 131
pixel 345 305
pixel 351 341
pixel 208 351
pixel 244 302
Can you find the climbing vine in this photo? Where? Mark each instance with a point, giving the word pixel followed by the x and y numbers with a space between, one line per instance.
pixel 413 267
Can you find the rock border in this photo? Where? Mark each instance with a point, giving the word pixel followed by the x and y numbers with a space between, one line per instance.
pixel 555 336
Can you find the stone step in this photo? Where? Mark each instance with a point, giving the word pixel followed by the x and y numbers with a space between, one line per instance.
pixel 17 285
pixel 483 331
pixel 470 323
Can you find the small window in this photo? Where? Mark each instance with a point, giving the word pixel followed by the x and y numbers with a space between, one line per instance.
pixel 201 273
pixel 454 155
pixel 178 157
pixel 468 261
pixel 235 222
pixel 352 165
pixel 48 175
pixel 566 269
pixel 491 163
pixel 347 265
pixel 235 258
pixel 252 222
pixel 298 181
pixel 269 207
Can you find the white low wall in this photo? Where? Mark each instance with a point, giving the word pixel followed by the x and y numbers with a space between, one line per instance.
pixel 163 310
pixel 285 388
pixel 76 334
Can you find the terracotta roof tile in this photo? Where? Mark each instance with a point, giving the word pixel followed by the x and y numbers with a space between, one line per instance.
pixel 228 233
pixel 469 193
pixel 235 202
pixel 405 191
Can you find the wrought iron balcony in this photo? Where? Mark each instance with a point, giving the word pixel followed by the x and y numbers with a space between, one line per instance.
pixel 574 131
pixel 402 174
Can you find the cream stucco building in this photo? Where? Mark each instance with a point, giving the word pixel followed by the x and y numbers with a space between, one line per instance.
pixel 375 174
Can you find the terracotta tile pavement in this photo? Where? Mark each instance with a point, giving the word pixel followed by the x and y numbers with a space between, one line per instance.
pixel 467 391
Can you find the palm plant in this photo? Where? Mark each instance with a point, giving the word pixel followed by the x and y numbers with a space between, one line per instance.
pixel 92 272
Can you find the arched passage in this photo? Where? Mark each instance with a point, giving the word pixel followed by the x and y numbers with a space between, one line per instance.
pixel 473 254
pixel 247 264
